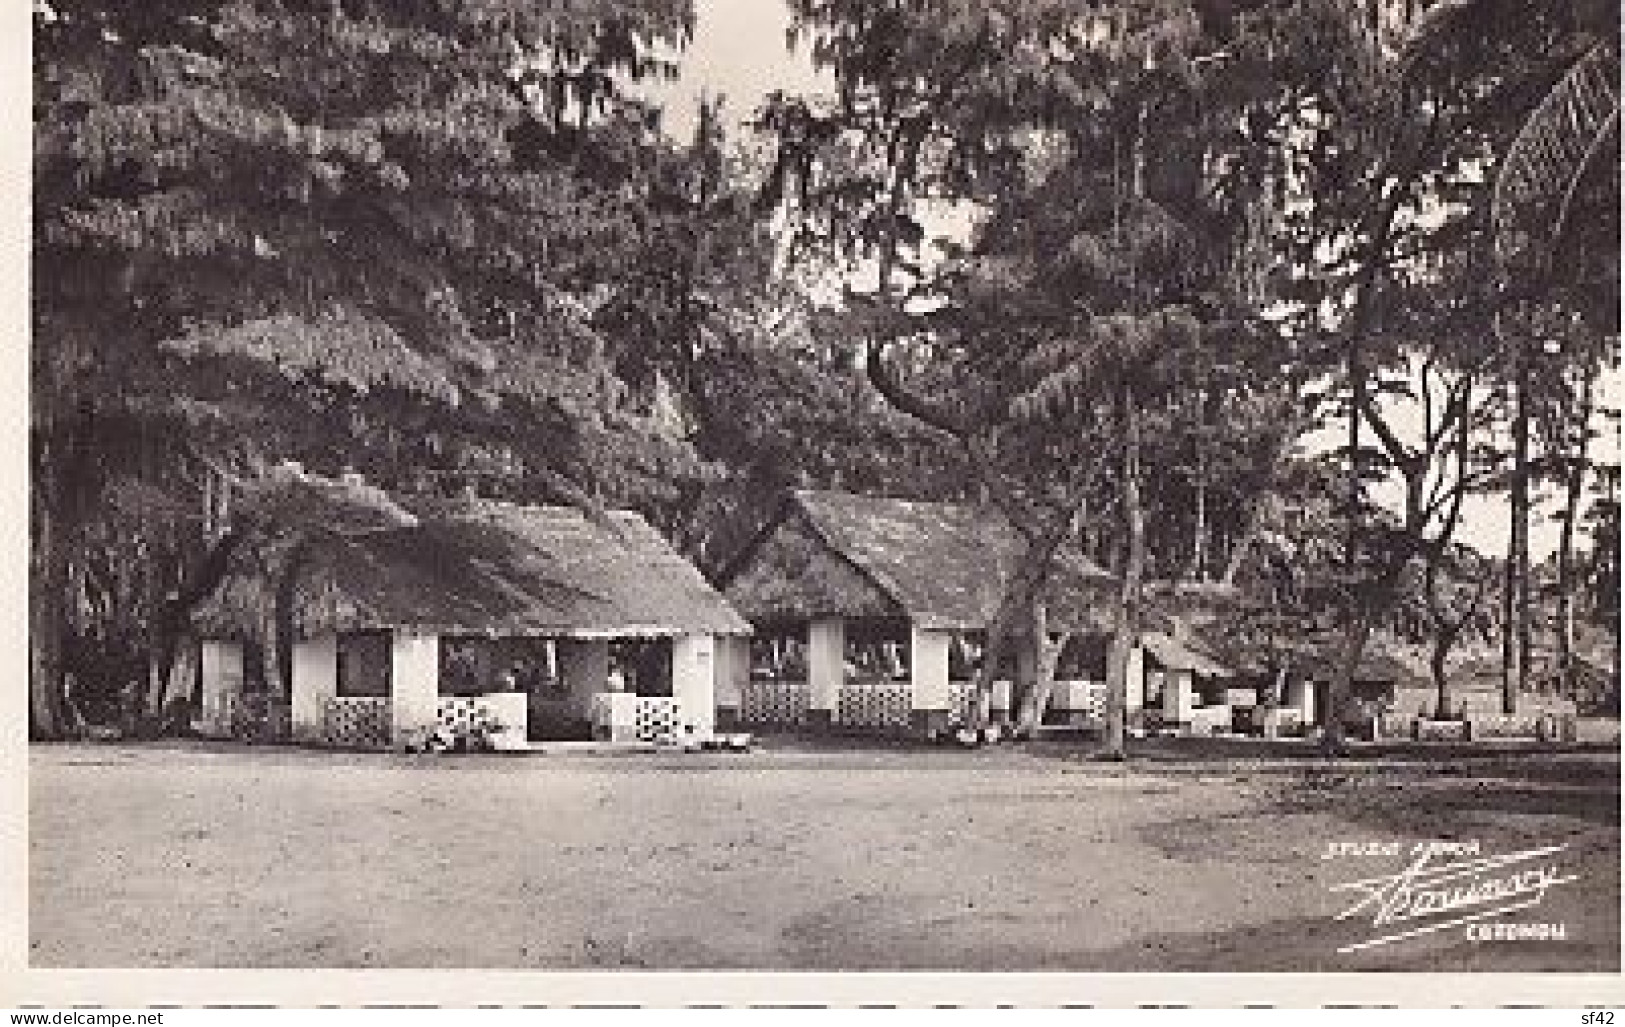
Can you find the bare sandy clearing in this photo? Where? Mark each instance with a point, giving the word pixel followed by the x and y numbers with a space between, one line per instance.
pixel 996 860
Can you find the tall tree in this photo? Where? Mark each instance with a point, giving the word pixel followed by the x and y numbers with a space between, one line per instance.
pixel 1101 146
pixel 263 227
pixel 1601 568
pixel 1566 416
pixel 1550 166
pixel 1394 133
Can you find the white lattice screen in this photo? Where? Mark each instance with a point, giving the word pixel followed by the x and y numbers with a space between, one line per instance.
pixel 874 705
pixel 658 717
pixel 774 702
pixel 356 723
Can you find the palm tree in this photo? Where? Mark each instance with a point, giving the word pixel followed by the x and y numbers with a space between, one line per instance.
pixel 1532 202
pixel 1557 146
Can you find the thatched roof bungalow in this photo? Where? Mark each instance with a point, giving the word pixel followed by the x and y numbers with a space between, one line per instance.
pixel 942 566
pixel 873 606
pixel 1185 655
pixel 489 569
pixel 518 606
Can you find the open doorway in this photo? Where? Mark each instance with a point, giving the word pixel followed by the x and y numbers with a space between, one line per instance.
pixel 644 665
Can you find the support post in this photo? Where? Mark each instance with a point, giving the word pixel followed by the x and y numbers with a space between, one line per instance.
pixel 222 685
pixel 414 681
pixel 1026 665
pixel 732 670
pixel 693 682
pixel 928 681
pixel 1134 692
pixel 1178 696
pixel 826 669
pixel 315 681
pixel 1300 695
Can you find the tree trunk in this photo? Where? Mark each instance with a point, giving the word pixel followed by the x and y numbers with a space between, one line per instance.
pixel 1279 684
pixel 1019 596
pixel 1515 602
pixel 60 462
pixel 1357 626
pixel 1509 635
pixel 1239 551
pixel 47 613
pixel 1441 678
pixel 1334 737
pixel 287 592
pixel 1442 641
pixel 175 614
pixel 1117 661
pixel 1127 633
pixel 1036 702
pixel 1246 535
pixel 1574 486
pixel 994 643
pixel 183 677
pixel 1201 532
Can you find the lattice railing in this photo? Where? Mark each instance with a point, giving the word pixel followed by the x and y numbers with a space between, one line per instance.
pixel 774 703
pixel 1087 698
pixel 256 717
pixel 508 710
pixel 960 700
pixel 218 715
pixel 657 717
pixel 874 704
pixel 1506 727
pixel 357 722
pixel 961 697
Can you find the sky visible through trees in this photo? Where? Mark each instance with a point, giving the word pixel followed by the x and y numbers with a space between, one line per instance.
pixel 1119 270
pixel 739 52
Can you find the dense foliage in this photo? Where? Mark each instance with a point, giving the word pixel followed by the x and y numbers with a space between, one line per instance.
pixel 449 244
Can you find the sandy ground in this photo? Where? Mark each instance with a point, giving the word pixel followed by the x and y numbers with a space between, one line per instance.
pixel 190 856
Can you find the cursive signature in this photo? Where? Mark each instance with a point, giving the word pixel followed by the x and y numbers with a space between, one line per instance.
pixel 1425 896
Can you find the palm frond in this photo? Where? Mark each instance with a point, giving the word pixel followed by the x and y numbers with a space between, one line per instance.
pixel 1559 141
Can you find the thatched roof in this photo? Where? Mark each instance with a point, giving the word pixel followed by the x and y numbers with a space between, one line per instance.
pixel 1182 654
pixel 1316 651
pixel 288 495
pixel 1386 660
pixel 484 567
pixel 942 565
pixel 1194 601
